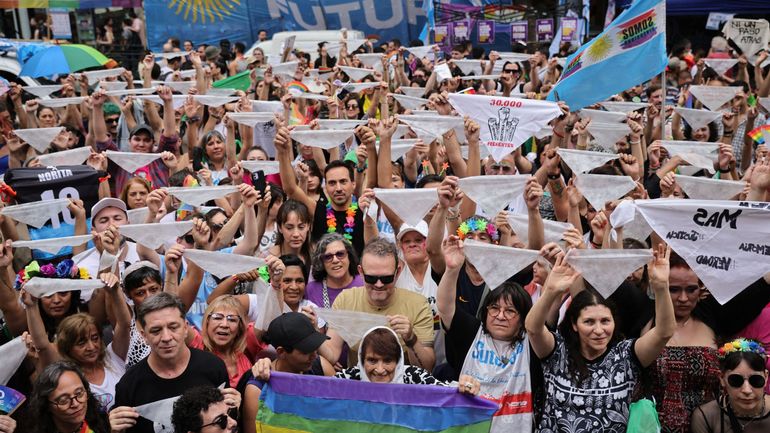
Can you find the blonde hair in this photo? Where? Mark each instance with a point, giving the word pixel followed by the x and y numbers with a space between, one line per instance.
pixel 229 302
pixel 73 329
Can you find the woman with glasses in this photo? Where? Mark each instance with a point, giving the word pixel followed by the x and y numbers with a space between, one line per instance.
pixel 335 268
pixel 743 406
pixel 353 109
pixel 62 402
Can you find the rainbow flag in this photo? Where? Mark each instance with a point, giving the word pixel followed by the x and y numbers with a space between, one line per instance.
pixel 297 88
pixel 761 135
pixel 70 4
pixel 292 403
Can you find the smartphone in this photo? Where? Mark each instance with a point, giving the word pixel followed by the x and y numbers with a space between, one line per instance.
pixel 197 159
pixel 342 94
pixel 259 182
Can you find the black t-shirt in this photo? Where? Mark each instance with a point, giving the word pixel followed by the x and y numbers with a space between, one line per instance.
pixel 140 385
pixel 320 228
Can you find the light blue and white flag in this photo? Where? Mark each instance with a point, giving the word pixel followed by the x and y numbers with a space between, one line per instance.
pixel 628 52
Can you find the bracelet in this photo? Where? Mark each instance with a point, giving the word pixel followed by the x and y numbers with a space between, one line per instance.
pixel 194 119
pixel 723 171
pixel 411 341
pixel 635 142
pixel 557 134
pixel 595 245
pixel 360 170
pixel 235 279
pixel 452 217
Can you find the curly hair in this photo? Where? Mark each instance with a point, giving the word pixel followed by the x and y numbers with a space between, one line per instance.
pixel 187 410
pixel 319 271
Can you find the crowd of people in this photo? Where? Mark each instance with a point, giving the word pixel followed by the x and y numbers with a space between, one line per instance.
pixel 169 340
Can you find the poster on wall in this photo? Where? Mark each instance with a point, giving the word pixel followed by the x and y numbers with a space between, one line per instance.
pixel 85 25
pixel 440 34
pixel 461 32
pixel 569 29
pixel 544 29
pixel 60 23
pixel 486 32
pixel 519 31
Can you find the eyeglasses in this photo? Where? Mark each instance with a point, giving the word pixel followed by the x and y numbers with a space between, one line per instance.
pixel 112 120
pixel 510 71
pixel 352 106
pixel 339 255
pixel 65 401
pixel 755 380
pixel 220 421
pixel 508 313
pixel 218 317
pixel 386 279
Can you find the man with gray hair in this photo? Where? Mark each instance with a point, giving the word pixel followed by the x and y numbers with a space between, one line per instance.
pixel 408 313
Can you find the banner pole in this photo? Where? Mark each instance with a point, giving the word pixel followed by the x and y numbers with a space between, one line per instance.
pixel 663 105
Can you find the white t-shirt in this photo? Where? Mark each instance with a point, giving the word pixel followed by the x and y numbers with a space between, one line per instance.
pixel 114 367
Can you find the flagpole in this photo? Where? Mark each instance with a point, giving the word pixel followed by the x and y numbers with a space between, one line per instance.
pixel 663 105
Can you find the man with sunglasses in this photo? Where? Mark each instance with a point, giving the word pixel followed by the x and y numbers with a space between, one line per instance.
pixel 407 312
pixel 202 409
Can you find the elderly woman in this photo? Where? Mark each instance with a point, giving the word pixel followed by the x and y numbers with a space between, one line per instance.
pixel 335 268
pixel 743 407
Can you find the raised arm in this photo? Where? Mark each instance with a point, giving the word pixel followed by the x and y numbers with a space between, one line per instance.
pixel 446 294
pixel 13 313
pixel 122 329
pixel 533 193
pixel 649 345
pixel 288 180
pixel 250 241
pixel 46 350
pixel 448 198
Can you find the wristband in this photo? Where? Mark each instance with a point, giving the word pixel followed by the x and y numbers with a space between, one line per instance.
pixel 557 134
pixel 723 171
pixel 411 341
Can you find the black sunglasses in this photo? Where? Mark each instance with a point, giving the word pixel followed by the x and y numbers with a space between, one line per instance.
pixel 755 380
pixel 220 421
pixel 386 279
pixel 340 255
pixel 189 239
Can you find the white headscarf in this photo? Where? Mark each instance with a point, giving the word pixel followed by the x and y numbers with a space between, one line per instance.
pixel 398 375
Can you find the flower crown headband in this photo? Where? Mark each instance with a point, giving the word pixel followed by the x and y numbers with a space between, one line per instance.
pixel 66 269
pixel 476 225
pixel 742 345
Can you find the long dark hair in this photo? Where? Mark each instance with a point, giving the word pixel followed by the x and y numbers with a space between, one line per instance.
pixel 45 384
pixel 584 299
pixel 51 324
pixel 303 214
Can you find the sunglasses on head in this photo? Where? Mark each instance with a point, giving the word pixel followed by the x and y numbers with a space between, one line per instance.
pixel 755 380
pixel 372 279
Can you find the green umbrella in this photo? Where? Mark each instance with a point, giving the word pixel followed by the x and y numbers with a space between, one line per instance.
pixel 62 59
pixel 239 81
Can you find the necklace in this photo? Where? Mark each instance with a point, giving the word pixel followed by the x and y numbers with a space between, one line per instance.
pixel 325 294
pixel 505 359
pixel 350 221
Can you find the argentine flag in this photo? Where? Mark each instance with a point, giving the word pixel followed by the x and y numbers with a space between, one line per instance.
pixel 631 50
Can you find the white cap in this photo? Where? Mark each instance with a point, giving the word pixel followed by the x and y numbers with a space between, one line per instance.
pixel 421 228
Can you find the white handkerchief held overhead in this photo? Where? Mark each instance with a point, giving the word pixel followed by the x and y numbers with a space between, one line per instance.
pixel 505 123
pixel 698 118
pixel 398 148
pixel 94 76
pixel 765 102
pixel 222 264
pixel 554 230
pixel 726 243
pixel 480 77
pixel 61 102
pixel 351 325
pixel 159 412
pixel 215 91
pixel 627 216
pixel 131 161
pixel 414 92
pixel 176 100
pixel 370 60
pixel 409 204
pixel 606 269
pixel 356 74
pixel 53 245
pixel 124 92
pixel 198 195
pixel 267 106
pixel 622 106
pixel 493 193
pixel 66 157
pixel 434 125
pixel 112 85
pixel 421 51
pixel 720 66
pixel 180 86
pixel 598 189
pixel 39 138
pixel 138 215
pixel 251 118
pixel 469 66
pixel 697 153
pixel 340 123
pixel 514 57
pixel 581 161
pixel 286 69
pixel 713 97
pixel 325 139
pixel 41 287
pixel 12 353
pixel 188 73
pixel 409 102
pixel 483 152
pixel 36 214
pixel 153 236
pixel 497 263
pixel 607 134
pixel 214 101
pixel 702 188
pixel 602 116
pixel 310 96
pixel 268 167
pixel 42 91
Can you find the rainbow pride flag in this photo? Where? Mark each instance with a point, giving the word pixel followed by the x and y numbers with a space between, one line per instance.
pixel 761 135
pixel 292 403
pixel 70 4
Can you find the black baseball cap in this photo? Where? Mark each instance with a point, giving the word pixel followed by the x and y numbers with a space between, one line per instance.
pixel 294 330
pixel 143 127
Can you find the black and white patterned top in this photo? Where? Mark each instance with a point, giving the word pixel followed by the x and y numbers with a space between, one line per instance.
pixel 600 403
pixel 413 375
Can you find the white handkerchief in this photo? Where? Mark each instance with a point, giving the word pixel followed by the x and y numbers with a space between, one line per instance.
pixel 182 86
pixel 268 167
pixel 415 92
pixel 340 123
pixel 112 85
pixel 505 123
pixel 698 118
pixel 497 263
pixel 53 245
pixel 269 307
pixel 409 204
pixel 765 102
pixel 371 60
pixel 198 195
pixel 159 412
pixel 360 87
pixel 41 287
pixel 94 76
pixel 12 353
pixel 176 100
pixel 188 73
pixel 351 325
pixel 43 91
pixel 409 102
pixel 442 72
pixel 398 148
pixel 581 161
pixel 702 188
pixel 483 152
pixel 137 91
pixel 325 139
pixel 316 73
pixel 514 57
pixel 312 96
pixel 353 44
pixel 713 97
pixel 602 116
pixel 313 86
pixel 154 235
pixel 601 188
pixel 697 153
pixel 61 102
pixel 480 77
pixel 469 66
pixel 622 106
pixel 251 118
pixel 173 55
pixel 720 66
pixel 553 230
pixel 607 134
pixel 543 132
pixel 426 113
pixel 434 125
pixel 215 101
pixel 421 51
pixel 606 269
pixel 131 161
pixel 493 193
pixel 356 74
pixel 287 69
pixel 267 106
pixel 401 130
pixel 36 214
pixel 222 264
pixel 39 138
pixel 425 136
pixel 66 157
pixel 138 215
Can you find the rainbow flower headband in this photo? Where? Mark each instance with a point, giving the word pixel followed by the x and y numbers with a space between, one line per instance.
pixel 66 269
pixel 742 345
pixel 476 225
